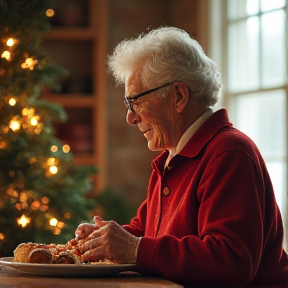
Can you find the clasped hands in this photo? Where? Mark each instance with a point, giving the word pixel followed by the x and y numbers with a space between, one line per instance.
pixel 107 240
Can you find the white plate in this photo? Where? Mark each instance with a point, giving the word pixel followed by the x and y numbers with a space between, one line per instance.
pixel 97 270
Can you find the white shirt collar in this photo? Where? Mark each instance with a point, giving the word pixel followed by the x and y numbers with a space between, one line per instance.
pixel 189 133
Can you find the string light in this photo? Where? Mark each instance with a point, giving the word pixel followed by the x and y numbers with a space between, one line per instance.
pixel 31 121
pixel 34 120
pixel 39 128
pixel 15 124
pixel 67 215
pixel 54 148
pixel 32 160
pixel 12 101
pixel 2 236
pixel 50 13
pixel 60 224
pixel 23 221
pixel 56 226
pixel 12 193
pixel 2 72
pixel 45 200
pixel 44 208
pixel 51 161
pixel 2 145
pixel 23 196
pixel 29 112
pixel 35 205
pixel 12 173
pixel 6 55
pixel 10 42
pixel 5 129
pixel 66 148
pixel 29 63
pixel 53 222
pixel 53 169
pixel 56 230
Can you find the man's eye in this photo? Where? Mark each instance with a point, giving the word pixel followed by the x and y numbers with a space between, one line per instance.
pixel 136 102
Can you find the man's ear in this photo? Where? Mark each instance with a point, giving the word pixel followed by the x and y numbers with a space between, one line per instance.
pixel 181 96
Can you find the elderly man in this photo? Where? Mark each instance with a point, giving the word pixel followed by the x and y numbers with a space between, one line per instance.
pixel 210 216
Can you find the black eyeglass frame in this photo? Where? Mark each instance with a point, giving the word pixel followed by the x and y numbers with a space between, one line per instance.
pixel 128 101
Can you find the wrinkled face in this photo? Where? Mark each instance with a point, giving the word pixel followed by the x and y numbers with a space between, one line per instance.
pixel 155 115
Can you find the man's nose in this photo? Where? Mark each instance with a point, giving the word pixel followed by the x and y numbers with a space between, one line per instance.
pixel 133 118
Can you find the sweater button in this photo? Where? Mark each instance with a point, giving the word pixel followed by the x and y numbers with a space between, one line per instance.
pixel 166 191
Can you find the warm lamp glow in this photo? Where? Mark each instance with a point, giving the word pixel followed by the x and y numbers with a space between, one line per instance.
pixel 23 221
pixel 2 236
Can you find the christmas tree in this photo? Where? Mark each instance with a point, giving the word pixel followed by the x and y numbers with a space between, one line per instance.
pixel 42 195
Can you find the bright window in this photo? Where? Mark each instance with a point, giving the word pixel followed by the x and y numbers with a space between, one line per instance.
pixel 254 66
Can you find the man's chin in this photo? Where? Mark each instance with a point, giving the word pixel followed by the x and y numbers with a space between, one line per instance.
pixel 154 147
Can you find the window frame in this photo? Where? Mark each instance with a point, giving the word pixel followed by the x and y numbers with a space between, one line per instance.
pixel 218 51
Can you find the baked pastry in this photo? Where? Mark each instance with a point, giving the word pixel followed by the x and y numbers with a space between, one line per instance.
pixel 69 253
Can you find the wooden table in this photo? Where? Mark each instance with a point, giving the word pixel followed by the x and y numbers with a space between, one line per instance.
pixel 11 278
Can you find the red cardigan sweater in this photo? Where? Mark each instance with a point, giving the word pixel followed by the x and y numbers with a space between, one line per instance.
pixel 211 218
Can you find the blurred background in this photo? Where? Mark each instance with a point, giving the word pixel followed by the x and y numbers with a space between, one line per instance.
pixel 247 39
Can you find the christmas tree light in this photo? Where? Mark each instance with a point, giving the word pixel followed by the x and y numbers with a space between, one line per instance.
pixel 42 194
pixel 6 55
pixel 23 221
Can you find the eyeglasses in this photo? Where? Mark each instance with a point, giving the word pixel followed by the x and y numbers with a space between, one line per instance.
pixel 129 101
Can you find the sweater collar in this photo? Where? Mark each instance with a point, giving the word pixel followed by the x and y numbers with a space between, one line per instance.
pixel 205 133
pixel 199 138
pixel 190 132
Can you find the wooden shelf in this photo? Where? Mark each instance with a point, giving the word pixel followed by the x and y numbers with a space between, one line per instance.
pixel 81 49
pixel 75 34
pixel 84 159
pixel 73 100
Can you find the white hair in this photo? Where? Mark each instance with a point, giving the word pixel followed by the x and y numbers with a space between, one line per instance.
pixel 167 54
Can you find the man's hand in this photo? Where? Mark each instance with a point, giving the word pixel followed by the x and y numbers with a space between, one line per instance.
pixel 85 229
pixel 110 241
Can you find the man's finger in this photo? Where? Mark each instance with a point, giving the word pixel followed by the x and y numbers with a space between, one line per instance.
pixel 99 221
pixel 93 255
pixel 92 241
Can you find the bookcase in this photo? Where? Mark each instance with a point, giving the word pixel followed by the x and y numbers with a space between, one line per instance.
pixel 77 42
